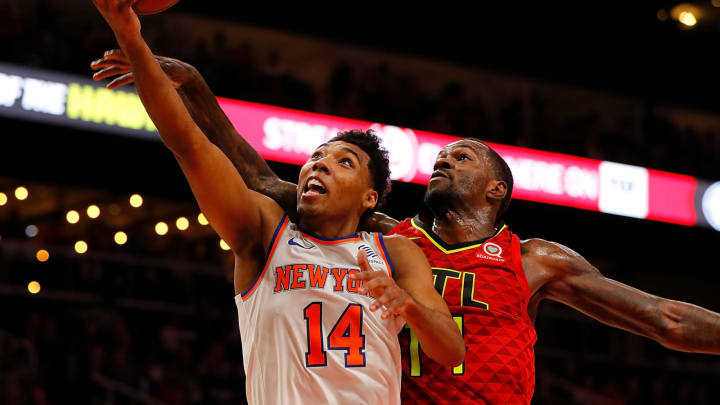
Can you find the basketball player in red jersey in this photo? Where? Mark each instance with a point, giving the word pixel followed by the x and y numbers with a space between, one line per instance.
pixel 492 281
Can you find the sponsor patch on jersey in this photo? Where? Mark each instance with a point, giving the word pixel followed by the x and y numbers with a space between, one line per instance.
pixel 373 258
pixel 302 243
pixel 492 251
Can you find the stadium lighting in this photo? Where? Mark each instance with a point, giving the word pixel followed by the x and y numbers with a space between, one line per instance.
pixel 21 193
pixel 711 205
pixel 687 18
pixel 182 223
pixel 3 199
pixel 224 245
pixel 31 231
pixel 93 211
pixel 34 287
pixel 161 228
pixel 136 200
pixel 120 237
pixel 81 247
pixel 72 217
pixel 42 255
pixel 201 219
pixel 686 14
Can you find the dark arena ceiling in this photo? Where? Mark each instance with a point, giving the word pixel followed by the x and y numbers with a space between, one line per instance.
pixel 635 48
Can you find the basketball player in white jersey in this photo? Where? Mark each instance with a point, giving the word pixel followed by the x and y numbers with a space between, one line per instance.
pixel 312 331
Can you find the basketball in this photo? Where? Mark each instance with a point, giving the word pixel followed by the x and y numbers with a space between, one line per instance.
pixel 146 7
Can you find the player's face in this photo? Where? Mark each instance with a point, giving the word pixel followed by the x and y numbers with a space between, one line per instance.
pixel 335 182
pixel 462 171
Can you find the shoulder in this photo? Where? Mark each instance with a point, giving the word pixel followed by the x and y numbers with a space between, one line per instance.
pixel 552 257
pixel 399 243
pixel 404 253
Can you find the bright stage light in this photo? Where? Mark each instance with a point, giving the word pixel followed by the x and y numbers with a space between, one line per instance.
pixel 42 255
pixel 136 200
pixel 120 238
pixel 34 287
pixel 161 228
pixel 93 211
pixel 81 247
pixel 182 223
pixel 201 219
pixel 224 245
pixel 21 193
pixel 72 217
pixel 687 18
pixel 3 199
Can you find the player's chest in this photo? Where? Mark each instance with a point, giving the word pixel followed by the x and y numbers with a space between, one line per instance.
pixel 473 280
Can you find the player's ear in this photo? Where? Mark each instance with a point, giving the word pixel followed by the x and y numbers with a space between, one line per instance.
pixel 370 199
pixel 497 189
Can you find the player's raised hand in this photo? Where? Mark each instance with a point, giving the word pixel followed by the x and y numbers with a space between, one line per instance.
pixel 119 15
pixel 383 288
pixel 115 63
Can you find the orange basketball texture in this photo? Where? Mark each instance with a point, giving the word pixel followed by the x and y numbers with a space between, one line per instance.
pixel 145 7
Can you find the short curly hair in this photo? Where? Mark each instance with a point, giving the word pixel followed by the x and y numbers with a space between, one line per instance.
pixel 378 165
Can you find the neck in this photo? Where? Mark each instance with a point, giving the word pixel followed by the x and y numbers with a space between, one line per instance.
pixel 462 225
pixel 328 227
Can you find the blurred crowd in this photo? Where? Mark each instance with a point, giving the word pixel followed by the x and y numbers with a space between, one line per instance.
pixel 89 345
pixel 40 37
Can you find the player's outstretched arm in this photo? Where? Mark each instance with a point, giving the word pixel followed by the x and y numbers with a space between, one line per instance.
pixel 207 114
pixel 574 281
pixel 237 214
pixel 203 106
pixel 411 295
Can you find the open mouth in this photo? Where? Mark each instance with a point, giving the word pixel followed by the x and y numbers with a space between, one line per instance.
pixel 314 187
pixel 438 173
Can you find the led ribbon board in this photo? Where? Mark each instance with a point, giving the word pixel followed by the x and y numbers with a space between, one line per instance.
pixel 69 100
pixel 289 136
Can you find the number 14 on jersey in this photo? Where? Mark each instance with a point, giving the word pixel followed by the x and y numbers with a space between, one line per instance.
pixel 346 335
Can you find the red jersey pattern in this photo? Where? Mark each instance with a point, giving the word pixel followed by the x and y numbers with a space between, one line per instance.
pixel 485 288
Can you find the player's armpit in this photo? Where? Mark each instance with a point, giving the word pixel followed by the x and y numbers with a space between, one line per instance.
pixel 430 318
pixel 238 214
pixel 574 281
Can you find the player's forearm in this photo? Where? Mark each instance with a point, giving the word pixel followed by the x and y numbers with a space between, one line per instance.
pixel 212 120
pixel 157 94
pixel 690 328
pixel 438 334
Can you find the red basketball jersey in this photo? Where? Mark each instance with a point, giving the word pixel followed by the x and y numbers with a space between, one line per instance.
pixel 485 288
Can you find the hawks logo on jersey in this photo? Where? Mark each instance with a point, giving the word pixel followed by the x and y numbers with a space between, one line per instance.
pixel 485 288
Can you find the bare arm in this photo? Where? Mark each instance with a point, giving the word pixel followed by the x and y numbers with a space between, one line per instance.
pixel 237 213
pixel 411 295
pixel 202 105
pixel 572 280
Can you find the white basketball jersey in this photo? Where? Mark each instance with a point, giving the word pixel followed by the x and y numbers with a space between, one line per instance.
pixel 308 335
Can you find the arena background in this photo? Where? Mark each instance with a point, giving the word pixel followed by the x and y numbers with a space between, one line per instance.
pixel 152 321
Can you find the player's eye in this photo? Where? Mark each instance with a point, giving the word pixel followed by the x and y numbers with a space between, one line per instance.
pixel 347 162
pixel 464 156
pixel 316 155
